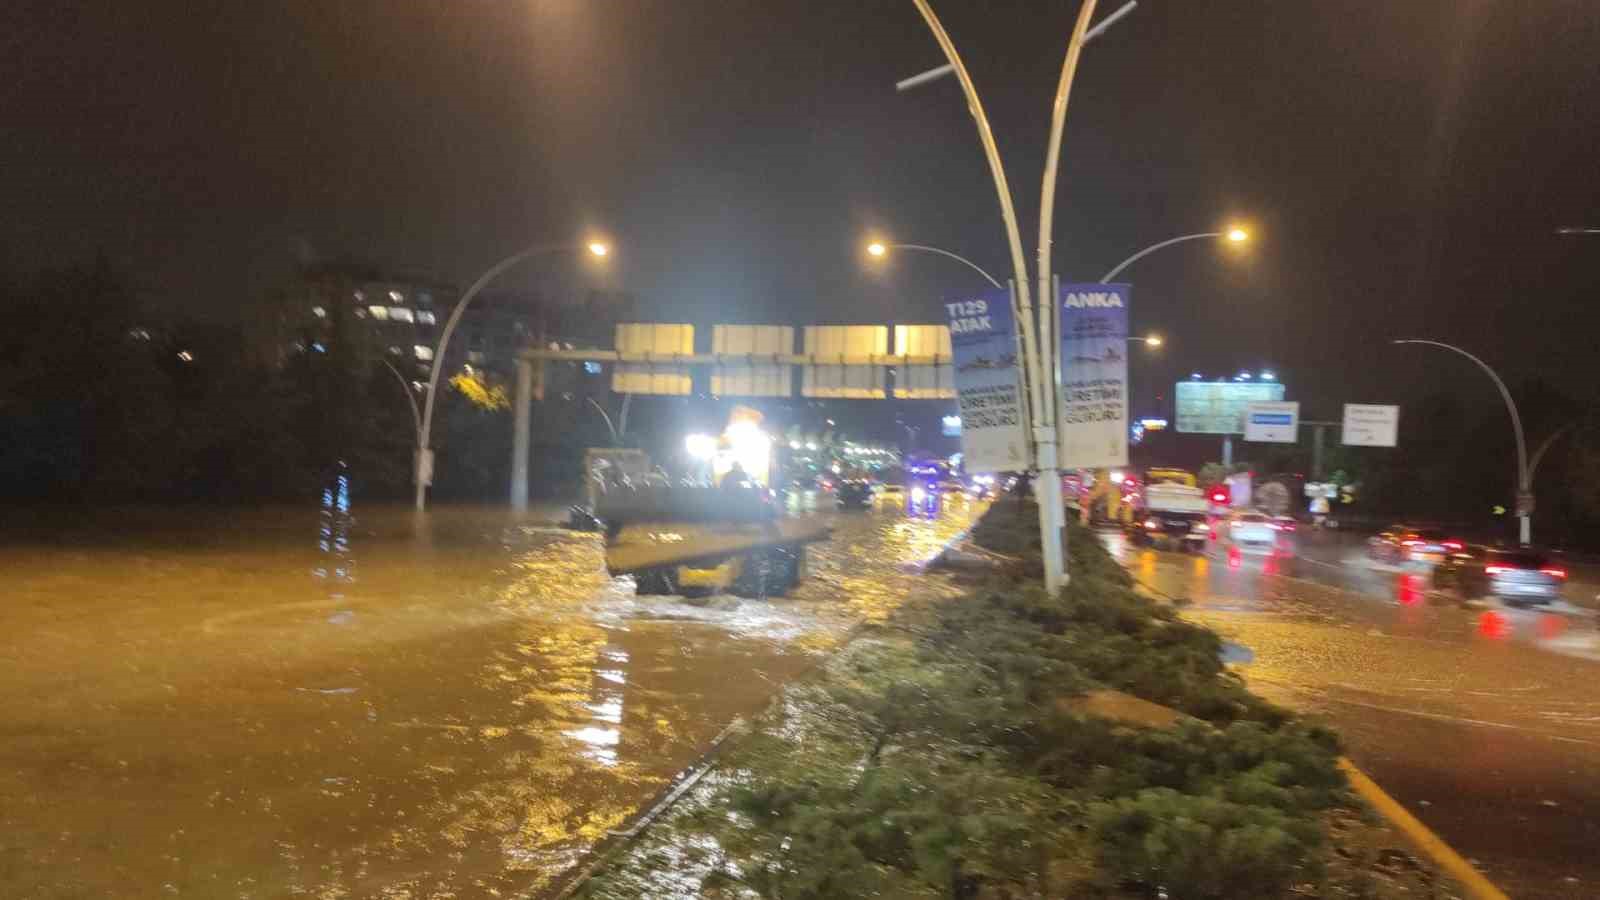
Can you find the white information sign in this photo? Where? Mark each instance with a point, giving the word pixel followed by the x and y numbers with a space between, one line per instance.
pixel 1371 425
pixel 1275 422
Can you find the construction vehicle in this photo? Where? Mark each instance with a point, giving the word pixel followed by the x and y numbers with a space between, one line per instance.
pixel 705 540
pixel 1172 510
pixel 1106 500
pixel 723 534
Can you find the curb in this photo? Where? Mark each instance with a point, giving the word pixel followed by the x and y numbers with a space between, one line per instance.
pixel 1420 835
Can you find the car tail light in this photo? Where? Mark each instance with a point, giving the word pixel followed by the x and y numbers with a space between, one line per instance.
pixel 1555 573
pixel 1496 570
pixel 1219 497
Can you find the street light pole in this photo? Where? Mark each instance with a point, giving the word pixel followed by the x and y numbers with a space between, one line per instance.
pixel 1236 235
pixel 1040 360
pixel 1524 483
pixel 423 471
pixel 1022 307
pixel 1045 432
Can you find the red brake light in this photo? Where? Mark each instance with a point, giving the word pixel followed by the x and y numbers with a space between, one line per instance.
pixel 1496 570
pixel 1219 497
pixel 1555 573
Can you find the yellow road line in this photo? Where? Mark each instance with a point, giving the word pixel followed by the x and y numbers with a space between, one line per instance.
pixel 1421 836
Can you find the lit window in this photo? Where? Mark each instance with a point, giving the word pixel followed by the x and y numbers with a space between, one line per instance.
pixel 319 312
pixel 139 334
pixel 379 312
pixel 186 356
pixel 425 317
pixel 422 352
pixel 399 314
pixel 360 296
pixel 394 351
pixel 361 313
pixel 418 386
pixel 397 297
pixel 319 348
pixel 591 367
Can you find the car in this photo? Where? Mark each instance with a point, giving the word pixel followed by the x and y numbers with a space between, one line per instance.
pixel 1247 531
pixel 1523 576
pixel 1401 544
pixel 853 494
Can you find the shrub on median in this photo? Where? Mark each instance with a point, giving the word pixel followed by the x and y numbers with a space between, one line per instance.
pixel 937 758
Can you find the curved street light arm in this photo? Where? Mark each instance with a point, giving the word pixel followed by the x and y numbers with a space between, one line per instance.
pixel 416 417
pixel 1049 344
pixel 607 416
pixel 1523 479
pixel 1023 305
pixel 1538 455
pixel 960 259
pixel 444 342
pixel 1153 248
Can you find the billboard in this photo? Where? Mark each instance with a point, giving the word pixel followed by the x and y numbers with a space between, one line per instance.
pixel 649 378
pixel 756 379
pixel 983 345
pixel 852 377
pixel 1093 428
pixel 1371 425
pixel 1275 423
pixel 1218 407
pixel 935 382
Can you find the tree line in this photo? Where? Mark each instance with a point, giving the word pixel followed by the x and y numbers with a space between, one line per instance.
pixel 100 403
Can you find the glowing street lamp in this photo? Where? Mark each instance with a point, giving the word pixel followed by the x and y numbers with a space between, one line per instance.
pixel 879 250
pixel 598 248
pixel 1234 235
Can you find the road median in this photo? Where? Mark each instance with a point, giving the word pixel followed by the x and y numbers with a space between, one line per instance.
pixel 1007 743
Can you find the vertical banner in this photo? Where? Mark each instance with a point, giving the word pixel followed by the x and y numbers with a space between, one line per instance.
pixel 1094 376
pixel 983 346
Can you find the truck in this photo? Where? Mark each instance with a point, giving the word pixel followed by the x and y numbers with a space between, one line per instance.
pixel 1172 510
pixel 691 539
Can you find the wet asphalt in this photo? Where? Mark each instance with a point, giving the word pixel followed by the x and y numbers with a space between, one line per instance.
pixel 1482 720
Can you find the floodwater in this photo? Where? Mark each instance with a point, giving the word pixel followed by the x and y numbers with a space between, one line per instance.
pixel 366 703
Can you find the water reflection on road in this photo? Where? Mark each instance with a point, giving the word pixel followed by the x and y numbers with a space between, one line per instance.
pixel 363 703
pixel 1484 720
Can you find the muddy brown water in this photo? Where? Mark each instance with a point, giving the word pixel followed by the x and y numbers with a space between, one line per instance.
pixel 335 703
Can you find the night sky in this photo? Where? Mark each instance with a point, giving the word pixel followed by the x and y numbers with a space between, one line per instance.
pixel 1403 162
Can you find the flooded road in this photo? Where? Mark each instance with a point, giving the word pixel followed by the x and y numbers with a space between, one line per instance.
pixel 364 703
pixel 1483 720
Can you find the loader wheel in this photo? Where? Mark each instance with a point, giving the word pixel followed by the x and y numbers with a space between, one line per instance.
pixel 661 581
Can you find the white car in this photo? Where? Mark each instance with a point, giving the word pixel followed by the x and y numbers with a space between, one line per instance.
pixel 1249 532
